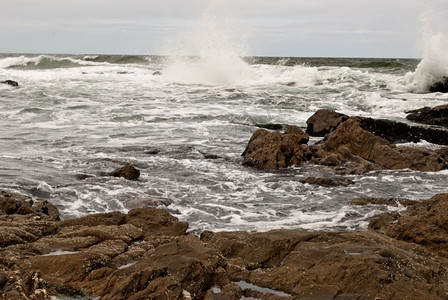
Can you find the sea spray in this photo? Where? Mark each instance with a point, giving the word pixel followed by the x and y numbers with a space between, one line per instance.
pixel 211 54
pixel 434 64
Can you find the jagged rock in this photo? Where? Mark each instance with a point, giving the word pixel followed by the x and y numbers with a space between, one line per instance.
pixel 317 265
pixel 273 150
pixel 13 203
pixel 147 254
pixel 10 82
pixel 323 122
pixel 440 86
pixel 351 137
pixel 433 116
pixel 423 223
pixel 128 171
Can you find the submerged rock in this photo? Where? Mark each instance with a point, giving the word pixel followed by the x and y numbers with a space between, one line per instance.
pixel 128 171
pixel 10 82
pixel 431 116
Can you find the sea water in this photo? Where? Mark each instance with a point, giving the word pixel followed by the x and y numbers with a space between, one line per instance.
pixel 80 114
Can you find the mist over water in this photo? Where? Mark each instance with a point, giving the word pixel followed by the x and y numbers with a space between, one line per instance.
pixel 210 54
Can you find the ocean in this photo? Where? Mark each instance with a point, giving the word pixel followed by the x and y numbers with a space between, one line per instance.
pixel 184 122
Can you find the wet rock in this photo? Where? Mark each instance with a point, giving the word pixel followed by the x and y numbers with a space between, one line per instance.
pixel 82 176
pixel 147 254
pixel 382 201
pixel 273 150
pixel 270 126
pixel 14 203
pixel 323 122
pixel 324 181
pixel 352 138
pixel 328 265
pixel 10 82
pixel 423 223
pixel 431 116
pixel 128 171
pixel 396 132
pixel 440 86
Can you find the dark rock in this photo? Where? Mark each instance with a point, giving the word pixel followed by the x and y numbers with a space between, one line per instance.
pixel 128 172
pixel 270 126
pixel 153 151
pixel 11 83
pixel 273 150
pixel 323 122
pixel 157 73
pixel 440 86
pixel 324 181
pixel 396 132
pixel 431 116
pixel 83 176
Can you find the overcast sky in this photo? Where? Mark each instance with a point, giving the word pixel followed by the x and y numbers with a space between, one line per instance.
pixel 327 28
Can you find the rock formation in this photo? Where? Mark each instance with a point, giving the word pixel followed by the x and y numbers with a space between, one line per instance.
pixel 273 150
pixel 432 116
pixel 353 146
pixel 323 122
pixel 147 254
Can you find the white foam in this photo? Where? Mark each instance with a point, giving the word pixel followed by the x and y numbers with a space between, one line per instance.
pixel 434 65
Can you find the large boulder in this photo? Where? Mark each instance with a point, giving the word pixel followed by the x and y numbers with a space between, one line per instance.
pixel 274 150
pixel 323 122
pixel 433 116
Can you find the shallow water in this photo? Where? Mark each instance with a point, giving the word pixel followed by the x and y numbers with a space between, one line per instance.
pixel 79 114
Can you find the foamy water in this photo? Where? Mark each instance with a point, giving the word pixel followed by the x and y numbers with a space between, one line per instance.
pixel 78 114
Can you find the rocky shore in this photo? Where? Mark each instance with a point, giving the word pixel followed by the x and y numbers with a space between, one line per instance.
pixel 149 254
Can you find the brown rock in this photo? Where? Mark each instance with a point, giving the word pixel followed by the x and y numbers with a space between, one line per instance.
pixel 128 171
pixel 274 150
pixel 368 146
pixel 382 201
pixel 325 265
pixel 423 223
pixel 323 122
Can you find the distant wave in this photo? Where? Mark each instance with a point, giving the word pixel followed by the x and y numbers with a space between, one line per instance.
pixel 29 62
